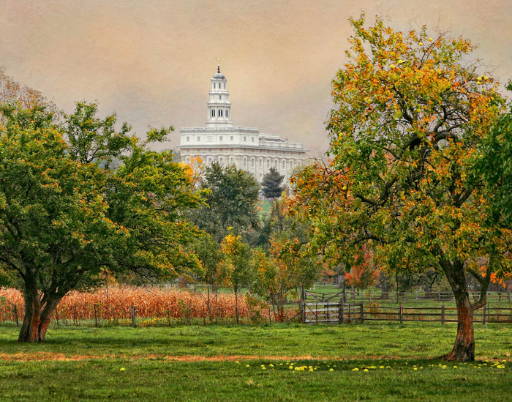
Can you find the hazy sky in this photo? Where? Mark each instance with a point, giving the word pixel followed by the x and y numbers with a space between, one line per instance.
pixel 150 60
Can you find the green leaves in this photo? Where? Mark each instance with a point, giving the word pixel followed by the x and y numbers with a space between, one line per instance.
pixel 231 195
pixel 66 213
pixel 93 139
pixel 493 163
pixel 272 184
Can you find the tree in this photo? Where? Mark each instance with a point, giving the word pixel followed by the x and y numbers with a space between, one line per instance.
pixel 363 273
pixel 12 91
pixel 213 270
pixel 272 184
pixel 493 164
pixel 64 221
pixel 285 263
pixel 92 139
pixel 409 116
pixel 231 197
pixel 237 262
pixel 273 222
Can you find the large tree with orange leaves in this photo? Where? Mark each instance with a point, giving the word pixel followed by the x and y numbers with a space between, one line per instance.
pixel 410 113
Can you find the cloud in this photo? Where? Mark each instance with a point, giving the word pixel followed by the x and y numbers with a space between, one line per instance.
pixel 150 61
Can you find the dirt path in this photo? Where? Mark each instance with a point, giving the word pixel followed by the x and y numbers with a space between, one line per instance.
pixel 48 356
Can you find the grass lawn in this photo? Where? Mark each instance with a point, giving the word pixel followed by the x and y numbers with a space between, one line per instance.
pixel 393 362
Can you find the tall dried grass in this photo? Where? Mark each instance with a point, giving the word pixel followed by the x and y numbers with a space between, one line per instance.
pixel 150 302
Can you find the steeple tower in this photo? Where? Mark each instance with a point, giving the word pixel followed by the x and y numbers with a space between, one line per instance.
pixel 219 106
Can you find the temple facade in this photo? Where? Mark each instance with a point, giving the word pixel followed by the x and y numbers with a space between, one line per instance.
pixel 246 148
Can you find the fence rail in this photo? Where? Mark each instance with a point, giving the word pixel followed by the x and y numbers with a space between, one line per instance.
pixel 327 312
pixel 368 296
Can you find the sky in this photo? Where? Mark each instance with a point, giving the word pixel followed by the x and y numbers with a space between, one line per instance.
pixel 150 61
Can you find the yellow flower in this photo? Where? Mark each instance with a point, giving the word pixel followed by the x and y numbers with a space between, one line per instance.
pixel 122 369
pixel 365 370
pixel 355 369
pixel 331 369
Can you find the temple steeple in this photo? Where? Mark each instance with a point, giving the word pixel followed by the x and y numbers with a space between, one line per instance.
pixel 219 106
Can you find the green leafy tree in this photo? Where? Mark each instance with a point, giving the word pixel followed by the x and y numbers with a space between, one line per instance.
pixel 272 184
pixel 213 271
pixel 493 164
pixel 238 264
pixel 92 139
pixel 275 221
pixel 65 221
pixel 231 199
pixel 409 116
pixel 285 263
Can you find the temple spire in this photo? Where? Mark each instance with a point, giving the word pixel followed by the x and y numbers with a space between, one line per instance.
pixel 219 106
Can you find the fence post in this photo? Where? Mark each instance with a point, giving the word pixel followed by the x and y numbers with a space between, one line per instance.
pixel 349 314
pixel 442 314
pixel 15 312
pixel 96 315
pixel 302 304
pixel 133 315
pixel 361 312
pixel 340 312
pixel 316 312
pixel 400 314
pixel 484 314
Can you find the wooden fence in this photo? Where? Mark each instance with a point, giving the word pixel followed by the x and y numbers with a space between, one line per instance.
pixel 354 296
pixel 330 312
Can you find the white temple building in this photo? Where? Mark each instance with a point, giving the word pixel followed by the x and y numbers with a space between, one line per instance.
pixel 246 148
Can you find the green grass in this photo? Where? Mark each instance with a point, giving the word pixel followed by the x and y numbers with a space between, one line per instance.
pixel 132 364
pixel 207 381
pixel 419 340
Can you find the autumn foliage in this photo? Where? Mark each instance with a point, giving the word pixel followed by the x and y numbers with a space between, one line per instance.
pixel 363 273
pixel 410 114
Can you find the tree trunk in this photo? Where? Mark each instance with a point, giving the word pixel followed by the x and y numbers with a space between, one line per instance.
pixel 37 316
pixel 208 304
pixel 464 347
pixel 236 307
pixel 29 331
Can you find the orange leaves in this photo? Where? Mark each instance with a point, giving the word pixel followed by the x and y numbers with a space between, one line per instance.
pixel 363 272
